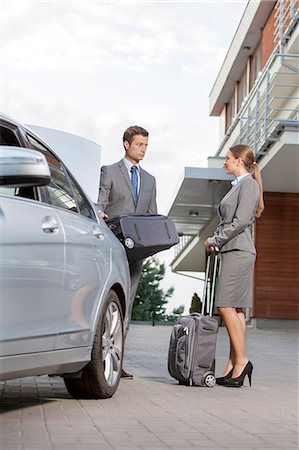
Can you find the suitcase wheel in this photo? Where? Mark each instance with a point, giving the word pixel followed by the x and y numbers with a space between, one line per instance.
pixel 210 380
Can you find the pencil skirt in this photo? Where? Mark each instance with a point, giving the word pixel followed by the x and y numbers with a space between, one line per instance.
pixel 235 279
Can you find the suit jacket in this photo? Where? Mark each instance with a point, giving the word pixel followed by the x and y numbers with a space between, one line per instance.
pixel 116 192
pixel 237 213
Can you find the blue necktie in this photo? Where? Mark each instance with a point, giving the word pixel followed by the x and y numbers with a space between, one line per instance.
pixel 134 181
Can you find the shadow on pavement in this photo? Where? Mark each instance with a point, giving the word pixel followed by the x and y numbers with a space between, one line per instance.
pixel 25 392
pixel 8 405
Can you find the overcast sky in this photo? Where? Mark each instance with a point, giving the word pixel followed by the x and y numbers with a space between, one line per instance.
pixel 93 68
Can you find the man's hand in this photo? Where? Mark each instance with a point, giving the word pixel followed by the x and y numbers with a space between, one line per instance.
pixel 103 215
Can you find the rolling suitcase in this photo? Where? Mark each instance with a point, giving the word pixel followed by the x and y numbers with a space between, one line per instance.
pixel 143 235
pixel 191 355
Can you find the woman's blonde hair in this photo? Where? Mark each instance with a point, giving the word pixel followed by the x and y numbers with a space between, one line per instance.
pixel 245 153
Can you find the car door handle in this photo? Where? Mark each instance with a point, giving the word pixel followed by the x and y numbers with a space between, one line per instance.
pixel 98 234
pixel 49 225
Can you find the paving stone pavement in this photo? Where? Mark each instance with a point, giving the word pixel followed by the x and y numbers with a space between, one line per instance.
pixel 152 412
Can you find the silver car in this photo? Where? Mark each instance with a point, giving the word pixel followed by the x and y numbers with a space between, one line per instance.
pixel 64 276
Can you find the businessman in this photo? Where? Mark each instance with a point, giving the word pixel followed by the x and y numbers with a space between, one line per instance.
pixel 127 188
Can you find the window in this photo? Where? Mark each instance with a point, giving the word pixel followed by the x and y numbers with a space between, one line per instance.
pixel 255 66
pixel 62 191
pixel 24 191
pixel 36 145
pixel 230 111
pixel 8 137
pixel 58 192
pixel 242 88
pixel 82 202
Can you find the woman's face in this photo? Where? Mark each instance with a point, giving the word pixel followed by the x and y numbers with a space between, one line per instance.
pixel 231 163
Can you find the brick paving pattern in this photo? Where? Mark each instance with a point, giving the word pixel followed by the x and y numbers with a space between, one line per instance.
pixel 152 412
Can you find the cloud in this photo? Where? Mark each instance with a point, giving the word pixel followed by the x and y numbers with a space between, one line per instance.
pixel 88 37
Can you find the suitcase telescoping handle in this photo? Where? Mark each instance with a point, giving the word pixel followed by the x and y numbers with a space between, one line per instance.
pixel 212 265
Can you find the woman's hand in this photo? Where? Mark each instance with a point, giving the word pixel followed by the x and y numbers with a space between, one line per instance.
pixel 209 248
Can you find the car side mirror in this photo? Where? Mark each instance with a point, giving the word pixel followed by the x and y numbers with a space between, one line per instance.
pixel 23 167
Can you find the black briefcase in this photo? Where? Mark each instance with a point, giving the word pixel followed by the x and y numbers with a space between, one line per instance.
pixel 143 235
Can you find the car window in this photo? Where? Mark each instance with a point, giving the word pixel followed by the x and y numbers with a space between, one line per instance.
pixel 24 191
pixel 62 191
pixel 82 202
pixel 58 192
pixel 8 136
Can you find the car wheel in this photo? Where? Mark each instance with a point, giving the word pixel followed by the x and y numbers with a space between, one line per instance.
pixel 101 376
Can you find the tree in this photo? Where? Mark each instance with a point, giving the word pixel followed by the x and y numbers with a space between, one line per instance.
pixel 150 298
pixel 196 304
pixel 176 313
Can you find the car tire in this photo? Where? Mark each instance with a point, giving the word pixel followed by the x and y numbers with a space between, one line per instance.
pixel 100 378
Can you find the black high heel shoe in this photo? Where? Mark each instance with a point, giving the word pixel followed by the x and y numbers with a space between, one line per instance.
pixel 221 380
pixel 238 381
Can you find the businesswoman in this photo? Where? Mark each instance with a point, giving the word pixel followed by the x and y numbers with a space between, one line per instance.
pixel 233 238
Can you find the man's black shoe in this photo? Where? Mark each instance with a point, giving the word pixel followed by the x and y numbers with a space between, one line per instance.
pixel 126 374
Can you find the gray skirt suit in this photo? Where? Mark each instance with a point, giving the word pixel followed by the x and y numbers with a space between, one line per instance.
pixel 233 237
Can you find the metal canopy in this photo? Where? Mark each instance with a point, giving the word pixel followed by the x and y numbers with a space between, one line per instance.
pixel 197 198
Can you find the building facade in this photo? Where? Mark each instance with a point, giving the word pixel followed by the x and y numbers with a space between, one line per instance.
pixel 255 96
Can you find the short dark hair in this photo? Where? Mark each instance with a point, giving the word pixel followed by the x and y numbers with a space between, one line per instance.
pixel 133 131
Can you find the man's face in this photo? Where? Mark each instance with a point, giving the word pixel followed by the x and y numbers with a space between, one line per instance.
pixel 136 150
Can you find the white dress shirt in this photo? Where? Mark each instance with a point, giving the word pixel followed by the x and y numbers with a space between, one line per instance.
pixel 238 179
pixel 129 165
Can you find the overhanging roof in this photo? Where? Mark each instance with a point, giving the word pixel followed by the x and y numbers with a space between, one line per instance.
pixel 196 193
pixel 199 192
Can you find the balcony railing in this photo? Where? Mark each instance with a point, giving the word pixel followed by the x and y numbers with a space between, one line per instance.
pixel 287 13
pixel 183 242
pixel 274 104
pixel 273 101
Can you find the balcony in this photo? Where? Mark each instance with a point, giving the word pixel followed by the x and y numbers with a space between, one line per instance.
pixel 273 101
pixel 272 105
